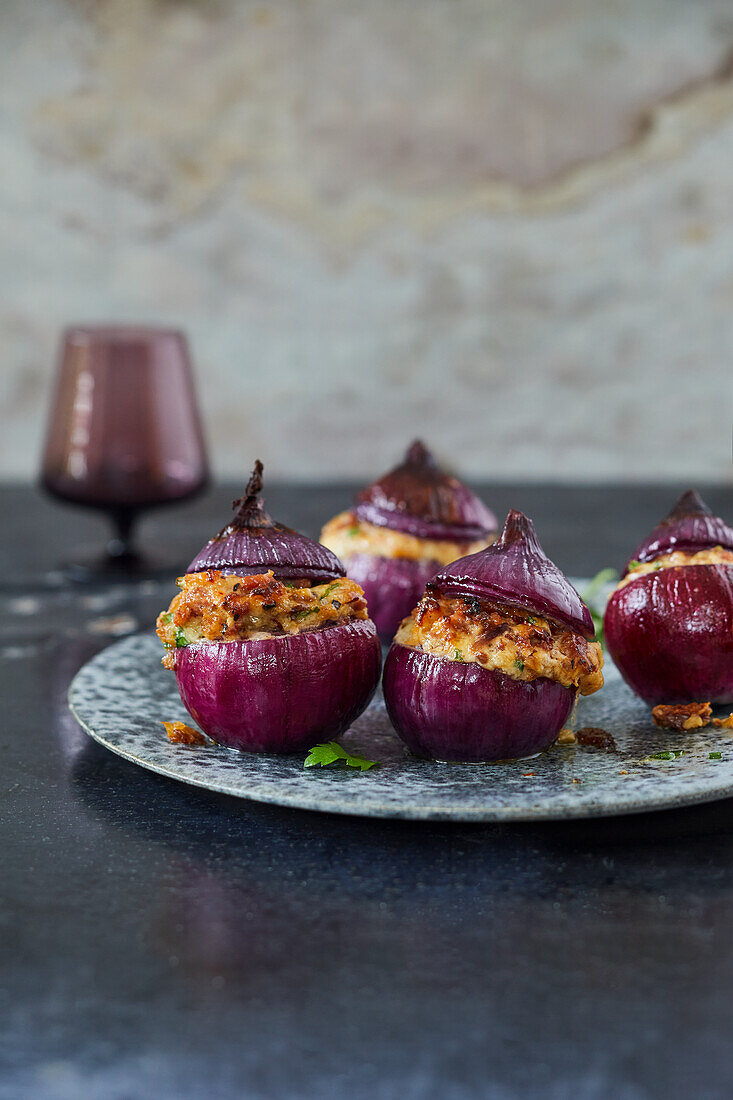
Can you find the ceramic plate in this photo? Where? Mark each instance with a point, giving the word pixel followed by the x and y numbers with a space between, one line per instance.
pixel 123 694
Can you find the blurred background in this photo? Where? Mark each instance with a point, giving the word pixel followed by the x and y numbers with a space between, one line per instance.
pixel 507 227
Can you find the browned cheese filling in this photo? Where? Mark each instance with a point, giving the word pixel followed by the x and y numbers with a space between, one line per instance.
pixel 346 535
pixel 522 645
pixel 716 555
pixel 220 607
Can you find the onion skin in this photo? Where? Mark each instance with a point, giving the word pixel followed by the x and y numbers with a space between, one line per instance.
pixel 671 634
pixel 459 711
pixel 392 586
pixel 418 498
pixel 690 526
pixel 281 694
pixel 252 542
pixel 515 570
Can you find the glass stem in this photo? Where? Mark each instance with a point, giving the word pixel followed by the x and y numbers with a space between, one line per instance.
pixel 121 546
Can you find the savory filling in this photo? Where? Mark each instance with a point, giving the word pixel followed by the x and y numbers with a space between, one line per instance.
pixel 716 555
pixel 522 645
pixel 220 607
pixel 347 535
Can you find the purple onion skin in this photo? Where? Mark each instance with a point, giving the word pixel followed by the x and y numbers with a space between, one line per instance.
pixel 282 694
pixel 461 712
pixel 515 570
pixel 392 586
pixel 671 634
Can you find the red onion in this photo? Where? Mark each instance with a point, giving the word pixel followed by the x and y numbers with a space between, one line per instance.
pixel 253 543
pixel 516 571
pixel 670 632
pixel 280 694
pixel 456 710
pixel 420 499
pixel 448 710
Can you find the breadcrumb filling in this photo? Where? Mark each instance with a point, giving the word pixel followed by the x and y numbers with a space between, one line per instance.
pixel 221 607
pixel 522 645
pixel 346 535
pixel 715 555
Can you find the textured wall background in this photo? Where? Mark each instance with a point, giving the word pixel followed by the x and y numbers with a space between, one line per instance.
pixel 504 224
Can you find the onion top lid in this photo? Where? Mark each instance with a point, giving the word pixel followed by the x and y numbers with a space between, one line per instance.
pixel 252 542
pixel 419 498
pixel 516 571
pixel 689 526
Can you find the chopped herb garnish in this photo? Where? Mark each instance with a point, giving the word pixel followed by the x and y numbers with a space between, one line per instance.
pixel 181 639
pixel 519 664
pixel 331 753
pixel 458 655
pixel 303 612
pixel 329 589
pixel 290 584
pixel 352 531
pixel 633 564
pixel 715 756
pixel 671 754
pixel 167 618
pixel 530 620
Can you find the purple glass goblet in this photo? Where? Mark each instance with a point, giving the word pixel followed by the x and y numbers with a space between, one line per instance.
pixel 124 433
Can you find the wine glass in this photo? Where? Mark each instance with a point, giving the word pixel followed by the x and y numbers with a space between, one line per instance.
pixel 124 432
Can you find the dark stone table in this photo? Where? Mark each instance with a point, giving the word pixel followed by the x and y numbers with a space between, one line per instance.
pixel 159 941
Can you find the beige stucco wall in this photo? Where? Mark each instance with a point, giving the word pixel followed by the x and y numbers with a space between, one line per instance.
pixel 506 225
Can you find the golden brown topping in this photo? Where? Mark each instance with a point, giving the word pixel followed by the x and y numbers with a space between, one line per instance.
pixel 593 737
pixel 715 555
pixel 565 737
pixel 219 607
pixel 522 645
pixel 181 734
pixel 682 716
pixel 723 723
pixel 346 535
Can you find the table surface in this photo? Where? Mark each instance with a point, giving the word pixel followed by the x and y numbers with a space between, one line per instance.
pixel 158 940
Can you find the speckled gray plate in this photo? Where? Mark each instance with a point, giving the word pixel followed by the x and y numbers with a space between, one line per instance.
pixel 122 695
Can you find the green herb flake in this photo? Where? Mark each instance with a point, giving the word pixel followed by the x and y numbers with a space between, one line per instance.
pixel 458 655
pixel 715 756
pixel 181 639
pixel 519 664
pixel 633 564
pixel 671 754
pixel 353 531
pixel 303 612
pixel 332 753
pixel 530 620
pixel 328 590
pixel 167 618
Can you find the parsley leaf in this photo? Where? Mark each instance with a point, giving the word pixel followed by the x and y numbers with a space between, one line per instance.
pixel 715 756
pixel 671 755
pixel 329 589
pixel 458 655
pixel 181 639
pixel 633 564
pixel 332 752
pixel 519 664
